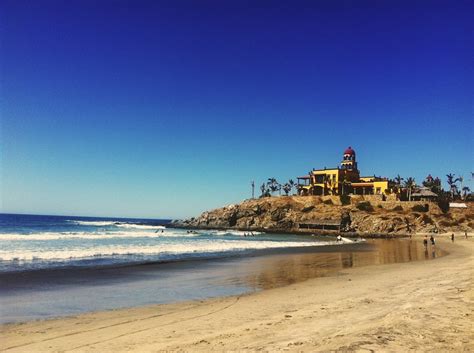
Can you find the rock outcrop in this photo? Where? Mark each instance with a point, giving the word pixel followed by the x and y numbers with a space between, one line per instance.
pixel 363 215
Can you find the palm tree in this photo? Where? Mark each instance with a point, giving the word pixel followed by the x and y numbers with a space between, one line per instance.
pixel 398 182
pixel 434 184
pixel 344 182
pixel 287 187
pixel 453 188
pixel 326 180
pixel 465 191
pixel 410 184
pixel 273 185
pixel 262 189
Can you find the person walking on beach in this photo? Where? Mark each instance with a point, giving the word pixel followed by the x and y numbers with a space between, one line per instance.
pixel 452 237
pixel 425 241
pixel 432 239
pixel 465 234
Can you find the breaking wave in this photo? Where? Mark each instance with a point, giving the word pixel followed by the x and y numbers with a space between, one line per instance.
pixel 93 223
pixel 138 226
pixel 88 235
pixel 117 224
pixel 161 250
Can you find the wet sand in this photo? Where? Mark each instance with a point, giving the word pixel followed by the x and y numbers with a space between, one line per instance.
pixel 413 306
pixel 58 292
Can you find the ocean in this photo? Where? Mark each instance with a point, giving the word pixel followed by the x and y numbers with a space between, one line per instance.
pixel 53 266
pixel 32 242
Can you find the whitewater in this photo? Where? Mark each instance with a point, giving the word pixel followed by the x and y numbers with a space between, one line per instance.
pixel 41 242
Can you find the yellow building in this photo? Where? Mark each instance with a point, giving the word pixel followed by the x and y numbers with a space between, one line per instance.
pixel 342 180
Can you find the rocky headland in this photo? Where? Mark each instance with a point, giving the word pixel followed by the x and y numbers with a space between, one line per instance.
pixel 363 215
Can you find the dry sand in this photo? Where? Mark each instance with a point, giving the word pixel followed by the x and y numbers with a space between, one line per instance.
pixel 416 306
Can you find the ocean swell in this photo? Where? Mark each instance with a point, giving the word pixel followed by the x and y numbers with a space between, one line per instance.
pixel 116 224
pixel 164 249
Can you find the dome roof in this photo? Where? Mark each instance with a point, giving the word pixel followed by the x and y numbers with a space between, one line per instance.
pixel 349 150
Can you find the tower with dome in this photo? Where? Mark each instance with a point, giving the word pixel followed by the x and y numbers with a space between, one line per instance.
pixel 349 159
pixel 342 180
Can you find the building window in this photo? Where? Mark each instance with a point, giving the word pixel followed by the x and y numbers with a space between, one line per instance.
pixel 378 191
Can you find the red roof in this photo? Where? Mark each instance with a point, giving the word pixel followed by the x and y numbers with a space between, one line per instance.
pixel 349 150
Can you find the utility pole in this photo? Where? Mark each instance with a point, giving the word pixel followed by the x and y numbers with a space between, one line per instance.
pixel 253 189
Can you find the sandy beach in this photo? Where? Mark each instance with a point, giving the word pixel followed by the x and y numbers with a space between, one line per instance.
pixel 415 306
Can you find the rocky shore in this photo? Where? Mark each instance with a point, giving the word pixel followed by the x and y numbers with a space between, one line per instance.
pixel 364 215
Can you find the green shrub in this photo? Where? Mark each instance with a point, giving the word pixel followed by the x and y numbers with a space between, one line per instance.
pixel 420 208
pixel 345 199
pixel 426 219
pixel 398 208
pixel 443 204
pixel 328 202
pixel 365 206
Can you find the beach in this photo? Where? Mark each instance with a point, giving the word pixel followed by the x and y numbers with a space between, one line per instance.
pixel 413 306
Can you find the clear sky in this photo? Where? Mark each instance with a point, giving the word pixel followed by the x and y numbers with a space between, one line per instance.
pixel 167 108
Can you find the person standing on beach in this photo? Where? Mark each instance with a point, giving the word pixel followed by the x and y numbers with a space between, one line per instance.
pixel 432 239
pixel 425 241
pixel 452 237
pixel 465 234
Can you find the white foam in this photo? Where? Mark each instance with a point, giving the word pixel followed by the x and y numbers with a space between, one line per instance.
pixel 94 223
pixel 116 224
pixel 95 235
pixel 233 232
pixel 199 247
pixel 139 226
pixel 347 241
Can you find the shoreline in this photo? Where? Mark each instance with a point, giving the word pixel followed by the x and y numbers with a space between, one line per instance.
pixel 224 255
pixel 428 309
pixel 319 232
pixel 60 292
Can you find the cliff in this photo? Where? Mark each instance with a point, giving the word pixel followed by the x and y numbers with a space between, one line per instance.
pixel 364 214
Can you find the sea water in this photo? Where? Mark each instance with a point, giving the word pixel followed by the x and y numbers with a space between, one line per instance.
pixel 30 242
pixel 55 266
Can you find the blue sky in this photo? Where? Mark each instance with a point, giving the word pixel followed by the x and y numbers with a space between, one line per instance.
pixel 167 108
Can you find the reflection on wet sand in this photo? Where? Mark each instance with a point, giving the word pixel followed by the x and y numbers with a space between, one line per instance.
pixel 279 270
pixel 43 294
